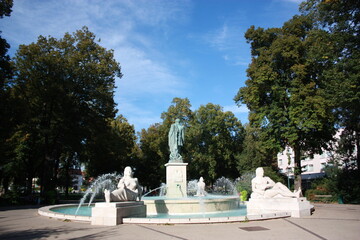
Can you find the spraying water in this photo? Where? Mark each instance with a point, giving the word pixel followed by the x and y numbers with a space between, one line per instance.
pixel 105 181
pixel 192 187
pixel 162 190
pixel 225 186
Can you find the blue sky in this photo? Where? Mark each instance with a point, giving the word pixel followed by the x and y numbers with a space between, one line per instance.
pixel 166 48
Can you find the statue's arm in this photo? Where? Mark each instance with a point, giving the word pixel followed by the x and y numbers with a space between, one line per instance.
pixel 269 182
pixel 121 183
pixel 183 134
pixel 138 188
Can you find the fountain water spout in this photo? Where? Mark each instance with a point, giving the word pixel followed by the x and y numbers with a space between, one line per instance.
pixel 179 187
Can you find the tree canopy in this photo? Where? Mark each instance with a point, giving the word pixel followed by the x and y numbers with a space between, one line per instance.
pixel 339 22
pixel 64 89
pixel 213 140
pixel 284 91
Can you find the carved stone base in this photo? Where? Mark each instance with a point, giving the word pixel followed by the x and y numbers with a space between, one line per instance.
pixel 298 207
pixel 176 183
pixel 111 214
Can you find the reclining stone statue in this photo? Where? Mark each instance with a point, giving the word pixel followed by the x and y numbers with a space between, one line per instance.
pixel 128 189
pixel 264 187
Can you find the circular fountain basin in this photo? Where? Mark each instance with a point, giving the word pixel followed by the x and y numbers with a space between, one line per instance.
pixel 190 205
pixel 67 211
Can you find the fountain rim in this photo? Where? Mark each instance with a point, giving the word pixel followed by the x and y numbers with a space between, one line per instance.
pixel 46 211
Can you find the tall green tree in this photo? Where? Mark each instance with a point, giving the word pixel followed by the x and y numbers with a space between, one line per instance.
pixel 213 140
pixel 66 89
pixel 6 104
pixel 179 109
pixel 153 157
pixel 5 69
pixel 339 21
pixel 284 90
pixel 112 149
pixel 256 153
pixel 154 142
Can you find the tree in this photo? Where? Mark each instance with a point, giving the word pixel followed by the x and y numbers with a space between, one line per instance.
pixel 66 89
pixel 340 23
pixel 5 69
pixel 5 7
pixel 256 152
pixel 112 148
pixel 179 109
pixel 154 155
pixel 285 90
pixel 214 138
pixel 154 142
pixel 6 104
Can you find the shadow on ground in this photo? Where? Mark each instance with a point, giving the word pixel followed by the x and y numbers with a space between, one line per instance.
pixel 45 233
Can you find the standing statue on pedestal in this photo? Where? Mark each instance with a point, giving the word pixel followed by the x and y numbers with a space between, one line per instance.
pixel 200 192
pixel 265 187
pixel 176 141
pixel 128 189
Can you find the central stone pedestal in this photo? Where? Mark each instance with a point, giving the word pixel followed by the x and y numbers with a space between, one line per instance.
pixel 298 207
pixel 176 184
pixel 111 214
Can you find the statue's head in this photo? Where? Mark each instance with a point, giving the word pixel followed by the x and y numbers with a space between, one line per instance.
pixel 201 179
pixel 128 171
pixel 259 172
pixel 177 120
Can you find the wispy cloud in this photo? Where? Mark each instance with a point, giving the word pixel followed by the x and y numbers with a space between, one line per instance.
pixel 224 38
pixel 229 41
pixel 132 28
pixel 158 12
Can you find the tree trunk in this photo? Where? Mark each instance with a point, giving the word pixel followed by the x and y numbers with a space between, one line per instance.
pixel 67 178
pixel 357 143
pixel 297 167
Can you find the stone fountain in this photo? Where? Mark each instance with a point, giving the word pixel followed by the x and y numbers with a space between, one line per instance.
pixel 176 201
pixel 125 201
pixel 268 200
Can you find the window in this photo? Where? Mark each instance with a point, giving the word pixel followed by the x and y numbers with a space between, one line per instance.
pixel 310 167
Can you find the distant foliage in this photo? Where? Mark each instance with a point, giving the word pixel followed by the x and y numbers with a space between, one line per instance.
pixel 342 184
pixel 243 183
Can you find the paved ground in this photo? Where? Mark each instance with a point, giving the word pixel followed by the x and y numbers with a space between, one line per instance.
pixel 329 221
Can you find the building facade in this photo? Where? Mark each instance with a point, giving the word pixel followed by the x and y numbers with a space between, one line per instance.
pixel 312 167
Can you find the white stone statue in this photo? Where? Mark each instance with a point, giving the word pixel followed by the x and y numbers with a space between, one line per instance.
pixel 200 192
pixel 128 189
pixel 264 187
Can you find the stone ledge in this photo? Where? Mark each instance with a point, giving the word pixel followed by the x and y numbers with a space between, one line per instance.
pixel 298 207
pixel 112 214
pixel 207 220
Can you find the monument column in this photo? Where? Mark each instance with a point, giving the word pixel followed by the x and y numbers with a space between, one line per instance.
pixel 176 181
